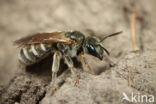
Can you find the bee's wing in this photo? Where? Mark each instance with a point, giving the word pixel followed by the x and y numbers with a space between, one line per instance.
pixel 49 38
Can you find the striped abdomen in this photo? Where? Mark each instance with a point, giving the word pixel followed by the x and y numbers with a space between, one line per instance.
pixel 31 54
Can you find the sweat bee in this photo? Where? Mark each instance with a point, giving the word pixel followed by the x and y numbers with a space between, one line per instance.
pixel 64 45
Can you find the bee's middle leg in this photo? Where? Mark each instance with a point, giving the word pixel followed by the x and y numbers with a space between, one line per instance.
pixel 55 67
pixel 69 63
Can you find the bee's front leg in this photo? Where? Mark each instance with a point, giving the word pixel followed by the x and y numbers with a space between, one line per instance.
pixel 84 61
pixel 69 62
pixel 55 67
pixel 111 61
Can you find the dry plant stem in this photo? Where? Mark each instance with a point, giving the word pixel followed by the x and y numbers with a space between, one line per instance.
pixel 133 27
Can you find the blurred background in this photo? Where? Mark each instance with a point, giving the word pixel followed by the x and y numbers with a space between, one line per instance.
pixel 20 18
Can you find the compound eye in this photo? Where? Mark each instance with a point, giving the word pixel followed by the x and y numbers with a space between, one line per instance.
pixel 91 50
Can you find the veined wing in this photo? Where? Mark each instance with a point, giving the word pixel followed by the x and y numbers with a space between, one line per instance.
pixel 49 38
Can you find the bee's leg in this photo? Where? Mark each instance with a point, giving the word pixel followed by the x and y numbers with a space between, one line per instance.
pixel 111 61
pixel 84 61
pixel 69 63
pixel 55 67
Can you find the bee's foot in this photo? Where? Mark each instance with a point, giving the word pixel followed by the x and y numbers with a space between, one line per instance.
pixel 112 64
pixel 76 82
pixel 53 90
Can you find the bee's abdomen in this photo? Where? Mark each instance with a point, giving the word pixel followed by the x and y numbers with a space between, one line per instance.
pixel 31 54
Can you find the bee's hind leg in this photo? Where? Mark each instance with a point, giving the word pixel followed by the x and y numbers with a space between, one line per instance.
pixel 69 63
pixel 55 67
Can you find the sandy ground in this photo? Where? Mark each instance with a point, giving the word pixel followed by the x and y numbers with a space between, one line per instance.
pixel 20 18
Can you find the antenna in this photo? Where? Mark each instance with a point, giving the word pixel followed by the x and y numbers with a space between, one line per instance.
pixel 106 50
pixel 117 33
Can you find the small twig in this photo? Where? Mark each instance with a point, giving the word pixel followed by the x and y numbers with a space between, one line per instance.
pixel 130 76
pixel 121 74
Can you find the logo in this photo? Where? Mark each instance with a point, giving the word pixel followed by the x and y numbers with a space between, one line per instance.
pixel 138 98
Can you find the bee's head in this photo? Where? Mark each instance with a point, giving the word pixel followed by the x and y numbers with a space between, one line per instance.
pixel 93 46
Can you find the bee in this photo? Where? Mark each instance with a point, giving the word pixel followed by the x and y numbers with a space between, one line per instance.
pixel 63 45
